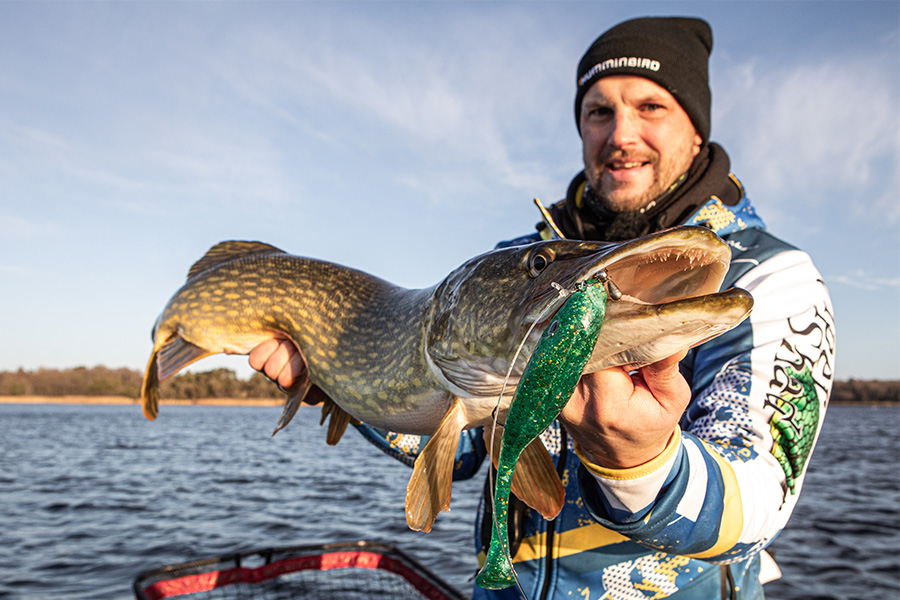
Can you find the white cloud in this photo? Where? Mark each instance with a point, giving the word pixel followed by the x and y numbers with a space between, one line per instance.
pixel 16 271
pixel 861 280
pixel 451 102
pixel 14 226
pixel 811 131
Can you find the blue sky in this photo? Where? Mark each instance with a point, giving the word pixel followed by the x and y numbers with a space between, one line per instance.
pixel 401 139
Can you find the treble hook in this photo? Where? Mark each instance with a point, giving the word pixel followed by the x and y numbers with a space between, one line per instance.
pixel 612 289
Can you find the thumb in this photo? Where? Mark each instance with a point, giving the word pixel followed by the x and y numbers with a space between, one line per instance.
pixel 664 380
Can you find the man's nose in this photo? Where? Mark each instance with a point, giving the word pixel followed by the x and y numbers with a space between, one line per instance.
pixel 624 129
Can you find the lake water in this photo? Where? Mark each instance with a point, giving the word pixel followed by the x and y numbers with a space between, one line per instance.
pixel 90 496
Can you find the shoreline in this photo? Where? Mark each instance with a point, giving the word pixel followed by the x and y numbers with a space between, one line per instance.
pixel 119 400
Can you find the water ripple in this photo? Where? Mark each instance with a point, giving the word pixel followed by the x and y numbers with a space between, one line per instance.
pixel 109 495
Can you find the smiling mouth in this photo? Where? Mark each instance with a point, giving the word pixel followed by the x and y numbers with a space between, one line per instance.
pixel 622 165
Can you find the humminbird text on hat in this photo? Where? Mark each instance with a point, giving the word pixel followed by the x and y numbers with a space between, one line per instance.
pixel 615 63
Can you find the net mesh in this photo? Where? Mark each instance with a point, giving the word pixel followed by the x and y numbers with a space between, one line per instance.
pixel 353 570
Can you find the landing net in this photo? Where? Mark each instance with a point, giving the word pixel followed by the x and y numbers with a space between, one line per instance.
pixel 349 571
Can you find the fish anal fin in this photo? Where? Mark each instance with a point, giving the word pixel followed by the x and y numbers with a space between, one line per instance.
pixel 327 407
pixel 428 492
pixel 337 425
pixel 339 418
pixel 175 354
pixel 535 480
pixel 296 394
pixel 226 251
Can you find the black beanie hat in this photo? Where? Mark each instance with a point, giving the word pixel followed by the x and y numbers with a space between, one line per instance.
pixel 670 51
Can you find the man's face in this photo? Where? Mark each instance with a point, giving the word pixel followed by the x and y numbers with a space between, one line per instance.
pixel 637 140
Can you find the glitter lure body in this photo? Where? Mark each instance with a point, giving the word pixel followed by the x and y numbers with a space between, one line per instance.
pixel 544 389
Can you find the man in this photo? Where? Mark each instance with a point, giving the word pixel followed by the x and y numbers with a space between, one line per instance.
pixel 679 474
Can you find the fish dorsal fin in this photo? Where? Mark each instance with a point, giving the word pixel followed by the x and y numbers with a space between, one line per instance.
pixel 428 492
pixel 226 251
pixel 535 480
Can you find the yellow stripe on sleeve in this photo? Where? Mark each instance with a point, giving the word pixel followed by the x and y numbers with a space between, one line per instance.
pixel 573 541
pixel 732 523
pixel 634 472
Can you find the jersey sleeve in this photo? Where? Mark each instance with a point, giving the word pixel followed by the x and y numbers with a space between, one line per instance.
pixel 732 474
pixel 406 448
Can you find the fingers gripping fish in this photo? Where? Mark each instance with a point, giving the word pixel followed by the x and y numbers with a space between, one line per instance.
pixel 544 389
pixel 433 361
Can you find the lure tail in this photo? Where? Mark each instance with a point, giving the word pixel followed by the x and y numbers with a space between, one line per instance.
pixel 544 389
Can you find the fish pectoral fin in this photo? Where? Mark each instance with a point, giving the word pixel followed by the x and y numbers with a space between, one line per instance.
pixel 428 492
pixel 472 374
pixel 296 394
pixel 536 481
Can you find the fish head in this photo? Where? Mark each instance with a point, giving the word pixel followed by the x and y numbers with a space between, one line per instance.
pixel 500 302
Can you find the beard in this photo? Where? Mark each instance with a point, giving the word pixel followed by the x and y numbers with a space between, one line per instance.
pixel 618 199
pixel 626 214
pixel 667 169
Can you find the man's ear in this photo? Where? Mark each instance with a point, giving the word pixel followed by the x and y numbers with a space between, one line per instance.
pixel 698 142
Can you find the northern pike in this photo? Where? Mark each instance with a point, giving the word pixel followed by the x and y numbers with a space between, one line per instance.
pixel 433 361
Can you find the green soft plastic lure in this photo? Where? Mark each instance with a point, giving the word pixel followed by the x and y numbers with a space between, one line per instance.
pixel 544 389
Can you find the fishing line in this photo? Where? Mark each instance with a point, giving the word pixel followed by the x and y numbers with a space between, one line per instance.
pixel 563 293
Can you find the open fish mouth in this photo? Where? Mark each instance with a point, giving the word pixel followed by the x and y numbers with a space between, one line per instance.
pixel 665 297
pixel 670 268
pixel 664 267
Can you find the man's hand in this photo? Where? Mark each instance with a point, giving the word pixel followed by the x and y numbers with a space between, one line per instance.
pixel 623 420
pixel 279 360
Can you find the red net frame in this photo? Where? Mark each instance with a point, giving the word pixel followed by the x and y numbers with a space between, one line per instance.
pixel 344 570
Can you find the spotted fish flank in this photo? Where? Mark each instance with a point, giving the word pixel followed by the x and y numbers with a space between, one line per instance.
pixel 433 361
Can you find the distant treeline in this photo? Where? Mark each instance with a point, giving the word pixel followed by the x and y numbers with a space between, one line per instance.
pixel 866 391
pixel 101 381
pixel 224 383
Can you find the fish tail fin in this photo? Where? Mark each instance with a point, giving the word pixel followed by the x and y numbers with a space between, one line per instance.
pixel 535 479
pixel 150 389
pixel 428 492
pixel 168 357
pixel 176 353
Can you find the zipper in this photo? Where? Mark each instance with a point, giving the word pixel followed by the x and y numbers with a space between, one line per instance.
pixel 551 525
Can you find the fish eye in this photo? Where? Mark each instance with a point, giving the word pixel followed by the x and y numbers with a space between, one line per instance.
pixel 538 262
